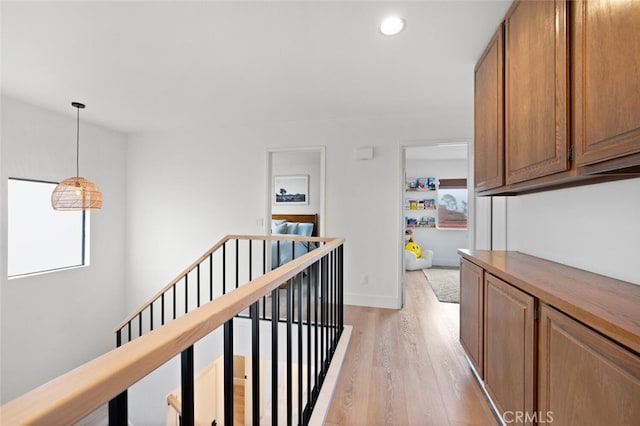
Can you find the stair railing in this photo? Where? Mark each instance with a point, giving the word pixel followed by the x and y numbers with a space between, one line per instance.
pixel 231 262
pixel 317 278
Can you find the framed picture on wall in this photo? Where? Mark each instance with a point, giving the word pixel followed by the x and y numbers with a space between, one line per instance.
pixel 291 189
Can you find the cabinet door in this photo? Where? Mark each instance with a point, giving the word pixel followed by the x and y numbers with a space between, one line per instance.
pixel 584 378
pixel 471 313
pixel 536 129
pixel 489 116
pixel 509 341
pixel 606 90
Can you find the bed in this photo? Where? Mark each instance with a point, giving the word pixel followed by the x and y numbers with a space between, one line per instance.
pixel 302 225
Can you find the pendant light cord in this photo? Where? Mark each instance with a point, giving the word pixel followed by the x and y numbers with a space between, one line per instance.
pixel 78 143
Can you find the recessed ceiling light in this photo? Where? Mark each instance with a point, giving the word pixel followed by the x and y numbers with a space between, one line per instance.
pixel 392 25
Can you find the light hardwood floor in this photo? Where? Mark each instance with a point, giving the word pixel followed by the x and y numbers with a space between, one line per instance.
pixel 406 367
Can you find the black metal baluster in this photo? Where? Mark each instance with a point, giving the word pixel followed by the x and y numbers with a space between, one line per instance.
pixel 338 305
pixel 316 297
pixel 328 316
pixel 119 410
pixel 289 352
pixel 174 301
pixel 293 256
pixel 224 268
pixel 323 302
pixel 325 325
pixel 341 287
pixel 129 330
pixel 228 373
pixel 255 363
pixel 264 271
pixel 187 382
pixel 300 375
pixel 198 283
pixel 333 302
pixel 237 263
pixel 210 277
pixel 139 324
pixel 250 258
pixel 151 316
pixel 186 293
pixel 162 309
pixel 278 257
pixel 309 404
pixel 275 315
pixel 118 406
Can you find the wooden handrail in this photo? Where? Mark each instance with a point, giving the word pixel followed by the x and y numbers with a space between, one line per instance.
pixel 72 396
pixel 208 253
pixel 174 403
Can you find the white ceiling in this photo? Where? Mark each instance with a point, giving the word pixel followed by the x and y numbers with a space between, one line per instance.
pixel 150 66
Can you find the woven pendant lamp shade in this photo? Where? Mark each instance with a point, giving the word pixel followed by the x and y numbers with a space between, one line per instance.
pixel 76 193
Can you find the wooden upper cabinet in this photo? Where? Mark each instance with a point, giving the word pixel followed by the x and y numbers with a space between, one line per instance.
pixel 472 313
pixel 606 79
pixel 584 378
pixel 489 115
pixel 509 346
pixel 536 129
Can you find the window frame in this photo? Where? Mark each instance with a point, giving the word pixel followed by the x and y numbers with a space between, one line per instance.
pixel 84 236
pixel 445 185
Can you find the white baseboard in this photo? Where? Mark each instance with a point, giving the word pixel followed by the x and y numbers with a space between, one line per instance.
pixel 372 301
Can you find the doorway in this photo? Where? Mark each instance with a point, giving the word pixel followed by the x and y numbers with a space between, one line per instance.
pixel 304 165
pixel 423 165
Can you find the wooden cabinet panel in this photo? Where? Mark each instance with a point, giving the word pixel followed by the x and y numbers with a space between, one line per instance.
pixel 606 79
pixel 584 378
pixel 489 116
pixel 471 313
pixel 536 140
pixel 509 339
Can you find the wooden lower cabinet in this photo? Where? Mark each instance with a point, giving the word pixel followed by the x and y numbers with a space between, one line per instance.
pixel 510 348
pixel 472 313
pixel 584 378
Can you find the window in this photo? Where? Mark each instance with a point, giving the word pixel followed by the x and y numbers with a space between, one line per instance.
pixel 41 239
pixel 452 204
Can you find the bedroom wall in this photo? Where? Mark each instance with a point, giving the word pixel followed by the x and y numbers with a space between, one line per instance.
pixel 444 243
pixel 298 163
pixel 54 322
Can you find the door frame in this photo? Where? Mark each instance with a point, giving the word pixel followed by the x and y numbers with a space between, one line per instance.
pixel 321 149
pixel 402 156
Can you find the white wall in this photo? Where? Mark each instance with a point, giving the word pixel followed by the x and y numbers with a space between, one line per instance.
pixel 298 163
pixel 594 227
pixel 188 188
pixel 54 322
pixel 444 243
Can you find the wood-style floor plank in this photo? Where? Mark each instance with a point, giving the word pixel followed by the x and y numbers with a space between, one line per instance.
pixel 406 367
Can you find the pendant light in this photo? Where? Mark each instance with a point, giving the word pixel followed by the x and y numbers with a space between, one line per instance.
pixel 76 193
